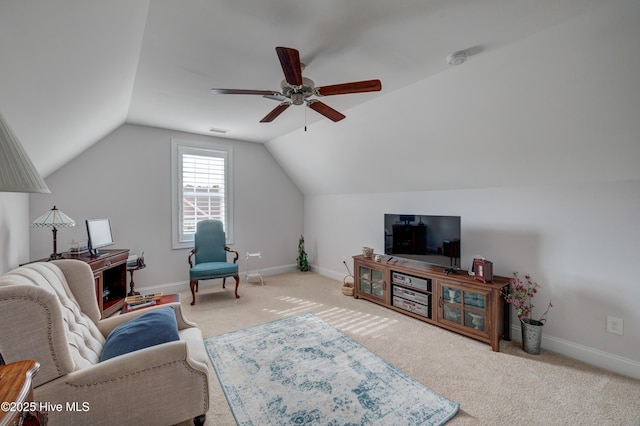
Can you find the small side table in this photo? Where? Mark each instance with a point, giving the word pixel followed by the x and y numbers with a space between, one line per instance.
pixel 16 387
pixel 131 270
pixel 256 272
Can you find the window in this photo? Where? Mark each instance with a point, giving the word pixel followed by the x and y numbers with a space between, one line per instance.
pixel 200 174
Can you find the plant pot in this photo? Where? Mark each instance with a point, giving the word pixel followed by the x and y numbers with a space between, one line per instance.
pixel 348 285
pixel 531 335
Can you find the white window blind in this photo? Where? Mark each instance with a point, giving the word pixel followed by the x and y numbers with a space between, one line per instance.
pixel 201 192
pixel 203 189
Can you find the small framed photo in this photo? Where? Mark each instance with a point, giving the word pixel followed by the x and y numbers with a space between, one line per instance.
pixel 483 270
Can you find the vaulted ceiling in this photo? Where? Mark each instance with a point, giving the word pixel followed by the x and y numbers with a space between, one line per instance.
pixel 74 70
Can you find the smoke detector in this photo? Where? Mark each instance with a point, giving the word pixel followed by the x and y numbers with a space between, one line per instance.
pixel 457 58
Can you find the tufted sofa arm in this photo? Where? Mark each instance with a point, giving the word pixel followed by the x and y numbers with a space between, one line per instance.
pixel 49 313
pixel 108 324
pixel 36 326
pixel 158 385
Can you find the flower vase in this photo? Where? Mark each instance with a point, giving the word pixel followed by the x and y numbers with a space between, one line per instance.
pixel 531 335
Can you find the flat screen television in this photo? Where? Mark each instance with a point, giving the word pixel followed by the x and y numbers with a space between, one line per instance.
pixel 427 238
pixel 99 235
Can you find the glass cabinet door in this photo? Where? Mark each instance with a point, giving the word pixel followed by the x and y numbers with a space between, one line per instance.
pixel 371 282
pixel 474 310
pixel 451 309
pixel 365 280
pixel 464 307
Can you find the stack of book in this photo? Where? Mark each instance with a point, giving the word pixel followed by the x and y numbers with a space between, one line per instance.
pixel 132 261
pixel 135 261
pixel 142 300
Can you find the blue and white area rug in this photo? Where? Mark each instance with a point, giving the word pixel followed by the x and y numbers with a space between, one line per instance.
pixel 301 370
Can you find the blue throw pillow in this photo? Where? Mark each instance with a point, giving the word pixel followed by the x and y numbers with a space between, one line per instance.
pixel 147 330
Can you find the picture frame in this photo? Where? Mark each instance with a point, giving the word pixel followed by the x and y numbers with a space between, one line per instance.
pixel 483 270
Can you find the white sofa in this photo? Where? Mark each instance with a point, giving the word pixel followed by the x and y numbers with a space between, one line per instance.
pixel 49 313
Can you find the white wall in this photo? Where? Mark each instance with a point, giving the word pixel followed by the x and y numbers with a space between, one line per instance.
pixel 126 177
pixel 534 144
pixel 559 106
pixel 579 241
pixel 14 230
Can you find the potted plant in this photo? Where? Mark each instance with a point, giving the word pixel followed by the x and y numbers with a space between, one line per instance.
pixel 302 261
pixel 520 294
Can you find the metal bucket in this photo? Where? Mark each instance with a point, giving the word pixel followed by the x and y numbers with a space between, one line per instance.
pixel 531 336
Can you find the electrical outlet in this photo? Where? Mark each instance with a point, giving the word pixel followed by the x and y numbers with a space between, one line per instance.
pixel 614 325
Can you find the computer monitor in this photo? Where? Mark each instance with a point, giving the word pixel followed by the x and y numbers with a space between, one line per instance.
pixel 99 234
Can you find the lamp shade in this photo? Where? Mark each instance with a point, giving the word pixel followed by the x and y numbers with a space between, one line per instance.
pixel 17 172
pixel 53 218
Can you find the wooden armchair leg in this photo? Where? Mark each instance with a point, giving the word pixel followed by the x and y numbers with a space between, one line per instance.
pixel 224 280
pixel 237 278
pixel 194 288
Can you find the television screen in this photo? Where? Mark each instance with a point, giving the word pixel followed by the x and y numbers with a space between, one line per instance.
pixel 427 238
pixel 99 233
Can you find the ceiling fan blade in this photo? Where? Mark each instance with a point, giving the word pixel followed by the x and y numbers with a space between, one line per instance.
pixel 275 112
pixel 243 92
pixel 355 87
pixel 274 97
pixel 290 61
pixel 325 110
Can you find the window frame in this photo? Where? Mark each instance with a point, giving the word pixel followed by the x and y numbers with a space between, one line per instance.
pixel 180 147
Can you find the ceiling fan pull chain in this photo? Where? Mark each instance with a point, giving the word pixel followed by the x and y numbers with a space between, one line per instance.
pixel 305 119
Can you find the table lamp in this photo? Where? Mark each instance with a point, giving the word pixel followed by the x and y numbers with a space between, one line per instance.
pixel 54 218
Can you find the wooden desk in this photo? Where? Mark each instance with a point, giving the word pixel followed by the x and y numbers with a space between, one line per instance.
pixel 16 389
pixel 110 275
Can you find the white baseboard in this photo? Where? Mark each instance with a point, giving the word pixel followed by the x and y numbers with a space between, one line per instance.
pixel 178 287
pixel 328 273
pixel 617 364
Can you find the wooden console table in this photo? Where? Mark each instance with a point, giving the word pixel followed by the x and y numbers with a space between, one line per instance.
pixel 456 302
pixel 110 275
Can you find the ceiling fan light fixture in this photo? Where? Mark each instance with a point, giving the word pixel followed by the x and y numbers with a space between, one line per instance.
pixel 457 58
pixel 297 98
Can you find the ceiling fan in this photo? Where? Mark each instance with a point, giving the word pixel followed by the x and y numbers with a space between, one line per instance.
pixel 297 90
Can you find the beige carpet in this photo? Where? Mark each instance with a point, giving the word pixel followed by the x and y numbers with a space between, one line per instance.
pixel 505 388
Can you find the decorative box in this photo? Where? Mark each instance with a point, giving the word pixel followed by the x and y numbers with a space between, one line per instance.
pixel 483 270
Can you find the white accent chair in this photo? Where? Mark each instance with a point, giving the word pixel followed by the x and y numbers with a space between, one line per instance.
pixel 49 313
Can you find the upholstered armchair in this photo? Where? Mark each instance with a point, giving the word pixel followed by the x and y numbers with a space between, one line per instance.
pixel 49 314
pixel 208 259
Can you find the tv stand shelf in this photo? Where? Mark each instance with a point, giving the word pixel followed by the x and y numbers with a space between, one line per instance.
pixel 456 302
